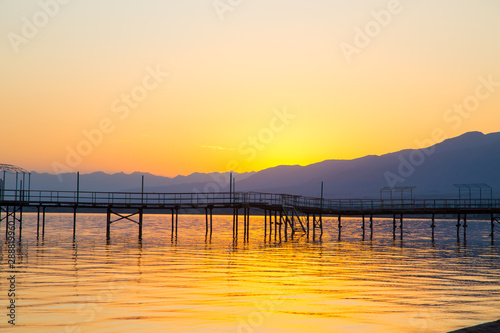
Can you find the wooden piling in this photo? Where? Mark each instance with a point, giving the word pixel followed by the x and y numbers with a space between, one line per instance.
pixel 433 225
pixel 401 225
pixel 20 221
pixel 108 223
pixel 37 222
pixel 74 222
pixel 465 226
pixel 492 226
pixel 43 222
pixel 141 210
pixel 371 226
pixel 265 225
pixel 6 221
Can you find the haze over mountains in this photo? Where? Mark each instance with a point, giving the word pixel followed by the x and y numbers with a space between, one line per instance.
pixel 470 158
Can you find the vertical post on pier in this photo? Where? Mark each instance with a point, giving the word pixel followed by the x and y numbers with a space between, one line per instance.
pixel 433 225
pixel 176 220
pixel 279 225
pixel 401 224
pixel 340 222
pixel 206 223
pixel 465 226
pixel 271 226
pixel 141 211
pixel 248 223
pixel 234 222
pixel 321 225
pixel 74 222
pixel 308 225
pixel 37 222
pixel 6 221
pixel 314 226
pixel 43 222
pixel 492 226
pixel 20 220
pixel 237 219
pixel 283 218
pixel 211 220
pixel 458 225
pixel 172 227
pixel 394 226
pixel 108 224
pixel 275 224
pixel 265 225
pixel 231 188
pixel 371 226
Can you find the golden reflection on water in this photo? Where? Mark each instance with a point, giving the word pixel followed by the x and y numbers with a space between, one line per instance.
pixel 193 285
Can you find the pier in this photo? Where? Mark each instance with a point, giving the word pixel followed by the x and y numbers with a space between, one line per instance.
pixel 284 214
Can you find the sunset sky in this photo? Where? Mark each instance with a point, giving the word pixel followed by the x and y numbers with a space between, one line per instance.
pixel 180 86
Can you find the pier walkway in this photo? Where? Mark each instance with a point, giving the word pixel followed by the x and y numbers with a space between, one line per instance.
pixel 299 213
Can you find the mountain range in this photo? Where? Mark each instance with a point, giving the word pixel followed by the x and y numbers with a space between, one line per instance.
pixel 467 159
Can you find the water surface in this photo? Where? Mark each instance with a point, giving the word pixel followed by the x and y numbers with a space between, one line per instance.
pixel 190 284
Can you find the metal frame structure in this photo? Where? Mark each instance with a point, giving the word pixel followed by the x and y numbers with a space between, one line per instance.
pixel 474 187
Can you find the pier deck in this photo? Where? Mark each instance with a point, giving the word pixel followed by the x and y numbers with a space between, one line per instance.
pixel 296 212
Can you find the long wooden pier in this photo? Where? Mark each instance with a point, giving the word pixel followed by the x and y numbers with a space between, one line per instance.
pixel 282 213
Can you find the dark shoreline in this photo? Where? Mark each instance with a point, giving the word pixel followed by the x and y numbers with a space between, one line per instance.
pixel 491 327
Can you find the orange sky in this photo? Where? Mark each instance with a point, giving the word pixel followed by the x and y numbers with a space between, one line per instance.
pixel 175 87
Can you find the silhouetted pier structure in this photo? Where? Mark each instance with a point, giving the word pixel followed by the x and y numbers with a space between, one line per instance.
pixel 282 213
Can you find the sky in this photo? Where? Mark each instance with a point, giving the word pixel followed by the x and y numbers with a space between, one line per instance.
pixel 173 87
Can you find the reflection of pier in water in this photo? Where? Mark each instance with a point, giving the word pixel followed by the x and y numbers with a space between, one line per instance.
pixel 282 213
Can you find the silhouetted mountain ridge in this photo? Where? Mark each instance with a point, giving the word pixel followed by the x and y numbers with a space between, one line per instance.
pixel 470 158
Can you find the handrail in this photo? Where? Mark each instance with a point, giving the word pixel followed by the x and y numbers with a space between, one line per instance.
pixel 301 202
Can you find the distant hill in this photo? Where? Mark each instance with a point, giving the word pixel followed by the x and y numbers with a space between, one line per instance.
pixel 470 158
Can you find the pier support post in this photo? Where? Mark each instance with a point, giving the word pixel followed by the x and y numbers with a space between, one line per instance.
pixel 74 223
pixel 283 218
pixel 43 222
pixel 393 226
pixel 20 221
pixel 321 225
pixel 308 225
pixel 275 225
pixel 108 224
pixel 371 226
pixel 271 226
pixel 401 225
pixel 265 225
pixel 433 225
pixel 458 226
pixel 176 220
pixel 211 220
pixel 6 222
pixel 465 227
pixel 206 223
pixel 492 227
pixel 37 222
pixel 141 211
pixel 172 227
pixel 248 223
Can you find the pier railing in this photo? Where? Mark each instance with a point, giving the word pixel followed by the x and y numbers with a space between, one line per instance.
pixel 239 198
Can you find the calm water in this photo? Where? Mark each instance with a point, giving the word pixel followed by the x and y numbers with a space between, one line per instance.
pixel 191 285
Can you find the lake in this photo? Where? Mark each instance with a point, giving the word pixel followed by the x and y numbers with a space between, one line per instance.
pixel 189 284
